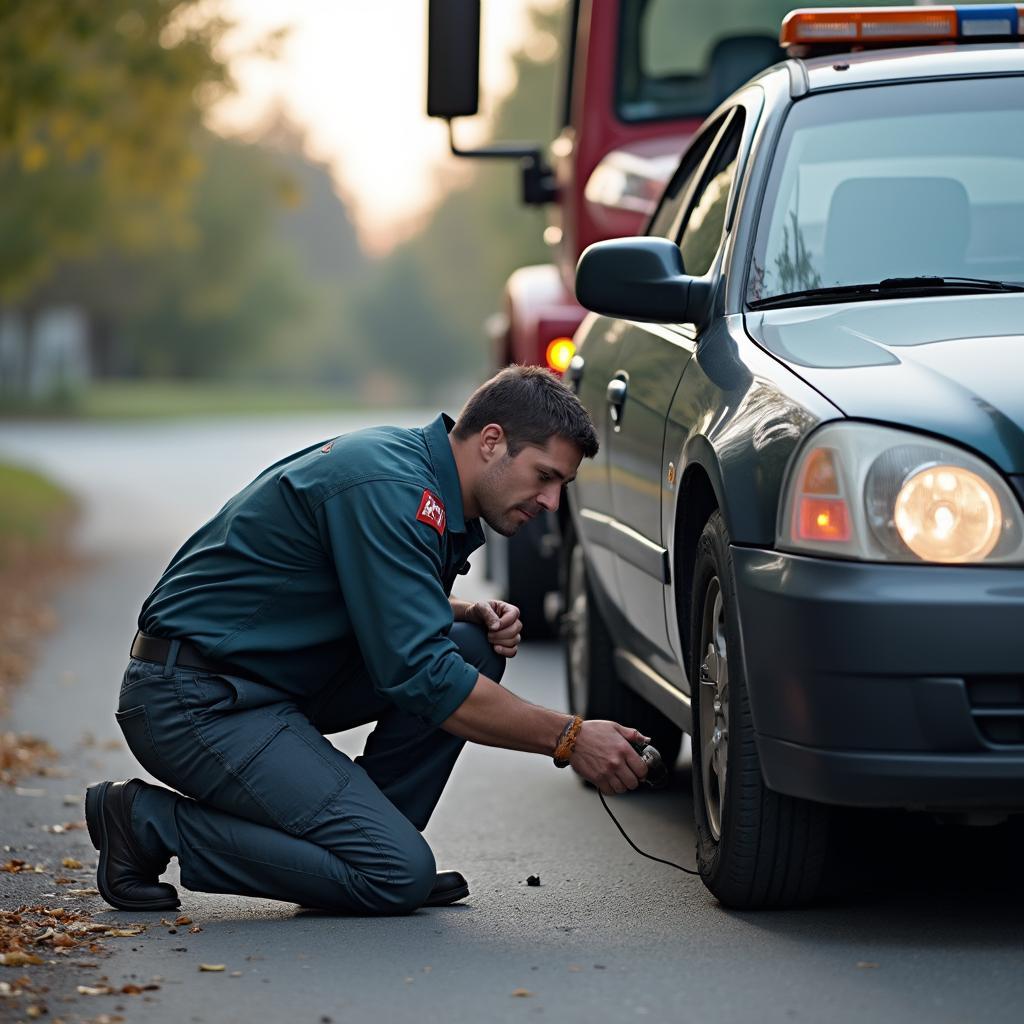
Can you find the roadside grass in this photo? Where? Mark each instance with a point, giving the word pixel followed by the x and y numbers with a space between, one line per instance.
pixel 161 399
pixel 35 521
pixel 31 511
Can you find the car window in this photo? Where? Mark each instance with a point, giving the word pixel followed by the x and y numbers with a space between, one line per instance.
pixel 666 216
pixel 705 219
pixel 909 180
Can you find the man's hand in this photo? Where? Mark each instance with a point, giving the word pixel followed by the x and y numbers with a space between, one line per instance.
pixel 604 757
pixel 502 622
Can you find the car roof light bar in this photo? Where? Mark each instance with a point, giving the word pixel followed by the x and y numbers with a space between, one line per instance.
pixel 856 28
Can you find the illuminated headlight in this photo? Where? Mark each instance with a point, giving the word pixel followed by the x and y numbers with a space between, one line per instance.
pixel 861 491
pixel 948 514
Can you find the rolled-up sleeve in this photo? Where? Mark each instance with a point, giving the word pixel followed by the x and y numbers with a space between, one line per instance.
pixel 389 567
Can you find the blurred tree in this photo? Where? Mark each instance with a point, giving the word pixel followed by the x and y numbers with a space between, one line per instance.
pixel 98 107
pixel 442 284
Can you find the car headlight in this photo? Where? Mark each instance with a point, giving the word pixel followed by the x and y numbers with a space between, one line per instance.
pixel 857 490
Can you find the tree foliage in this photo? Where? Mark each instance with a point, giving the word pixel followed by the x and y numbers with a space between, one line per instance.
pixel 99 103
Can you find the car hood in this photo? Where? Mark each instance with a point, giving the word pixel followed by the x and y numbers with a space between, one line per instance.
pixel 952 366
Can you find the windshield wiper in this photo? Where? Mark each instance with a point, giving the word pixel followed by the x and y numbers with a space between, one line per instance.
pixel 889 287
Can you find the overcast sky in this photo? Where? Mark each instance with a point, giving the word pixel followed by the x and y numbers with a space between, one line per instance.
pixel 353 73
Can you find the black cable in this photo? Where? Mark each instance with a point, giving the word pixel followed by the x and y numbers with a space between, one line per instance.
pixel 670 863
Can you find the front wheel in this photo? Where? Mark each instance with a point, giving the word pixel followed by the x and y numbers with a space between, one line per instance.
pixel 755 848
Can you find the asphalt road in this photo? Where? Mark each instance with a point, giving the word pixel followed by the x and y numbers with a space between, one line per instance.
pixel 936 934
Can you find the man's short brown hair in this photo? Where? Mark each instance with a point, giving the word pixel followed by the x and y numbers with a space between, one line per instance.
pixel 531 405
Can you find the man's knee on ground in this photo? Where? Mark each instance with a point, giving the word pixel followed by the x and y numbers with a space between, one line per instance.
pixel 476 651
pixel 398 884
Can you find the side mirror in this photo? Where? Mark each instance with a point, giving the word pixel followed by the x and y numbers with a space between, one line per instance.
pixel 640 279
pixel 453 58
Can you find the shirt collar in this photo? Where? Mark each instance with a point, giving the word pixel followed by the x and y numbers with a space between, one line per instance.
pixel 442 458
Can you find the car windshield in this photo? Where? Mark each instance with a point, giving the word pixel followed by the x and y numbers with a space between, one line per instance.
pixel 899 181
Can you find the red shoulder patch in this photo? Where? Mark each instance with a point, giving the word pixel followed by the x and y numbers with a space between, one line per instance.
pixel 327 447
pixel 432 512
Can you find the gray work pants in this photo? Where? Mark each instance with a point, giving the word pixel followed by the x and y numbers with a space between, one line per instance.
pixel 270 807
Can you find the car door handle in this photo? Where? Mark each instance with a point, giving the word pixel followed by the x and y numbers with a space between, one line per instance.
pixel 618 388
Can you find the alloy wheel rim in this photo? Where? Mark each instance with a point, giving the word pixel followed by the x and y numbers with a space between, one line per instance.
pixel 714 706
pixel 577 627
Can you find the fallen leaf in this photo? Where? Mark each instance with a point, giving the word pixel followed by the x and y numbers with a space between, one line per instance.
pixel 124 933
pixel 63 941
pixel 19 959
pixel 211 967
pixel 95 990
pixel 71 864
pixel 14 866
pixel 108 1018
pixel 35 1011
pixel 522 993
pixel 236 974
pixel 194 930
pixel 866 964
pixel 83 892
pixel 184 919
pixel 131 990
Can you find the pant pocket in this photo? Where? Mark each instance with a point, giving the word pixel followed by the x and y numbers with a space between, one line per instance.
pixel 294 778
pixel 134 723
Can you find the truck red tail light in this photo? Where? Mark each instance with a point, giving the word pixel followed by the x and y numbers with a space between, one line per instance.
pixel 559 354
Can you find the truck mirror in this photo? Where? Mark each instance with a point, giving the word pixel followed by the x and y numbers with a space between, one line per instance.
pixel 453 58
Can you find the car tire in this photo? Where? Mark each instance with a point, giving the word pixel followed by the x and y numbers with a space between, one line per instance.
pixel 755 848
pixel 594 688
pixel 530 577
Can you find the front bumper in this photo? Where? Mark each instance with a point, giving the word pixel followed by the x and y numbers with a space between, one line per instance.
pixel 885 685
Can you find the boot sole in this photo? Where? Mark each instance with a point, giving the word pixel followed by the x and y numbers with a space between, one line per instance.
pixel 449 897
pixel 94 797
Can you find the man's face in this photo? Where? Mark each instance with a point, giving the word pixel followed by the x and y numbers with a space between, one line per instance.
pixel 514 489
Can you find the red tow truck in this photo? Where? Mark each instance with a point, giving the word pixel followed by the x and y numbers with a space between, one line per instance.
pixel 639 76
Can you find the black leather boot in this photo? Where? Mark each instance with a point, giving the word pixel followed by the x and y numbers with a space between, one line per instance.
pixel 127 877
pixel 449 886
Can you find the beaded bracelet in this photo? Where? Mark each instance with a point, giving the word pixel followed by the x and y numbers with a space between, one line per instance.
pixel 567 742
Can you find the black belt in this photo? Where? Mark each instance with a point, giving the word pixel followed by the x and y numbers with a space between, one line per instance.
pixel 156 648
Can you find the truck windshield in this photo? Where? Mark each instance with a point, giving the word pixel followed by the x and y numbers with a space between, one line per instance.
pixel 905 181
pixel 681 58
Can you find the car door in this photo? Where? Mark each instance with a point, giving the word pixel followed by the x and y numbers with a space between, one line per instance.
pixel 598 370
pixel 653 359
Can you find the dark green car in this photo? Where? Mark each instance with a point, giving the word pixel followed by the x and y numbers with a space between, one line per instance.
pixel 802 541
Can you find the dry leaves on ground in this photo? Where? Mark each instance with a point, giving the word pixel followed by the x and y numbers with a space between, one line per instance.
pixel 22 755
pixel 17 866
pixel 30 934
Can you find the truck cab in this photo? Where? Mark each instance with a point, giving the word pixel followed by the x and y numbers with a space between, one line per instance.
pixel 639 76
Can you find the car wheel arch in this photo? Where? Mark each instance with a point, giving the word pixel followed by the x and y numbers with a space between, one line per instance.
pixel 698 494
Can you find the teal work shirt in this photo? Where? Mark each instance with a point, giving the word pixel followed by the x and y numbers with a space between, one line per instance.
pixel 335 560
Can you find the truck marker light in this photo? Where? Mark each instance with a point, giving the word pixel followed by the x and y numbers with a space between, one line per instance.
pixel 559 354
